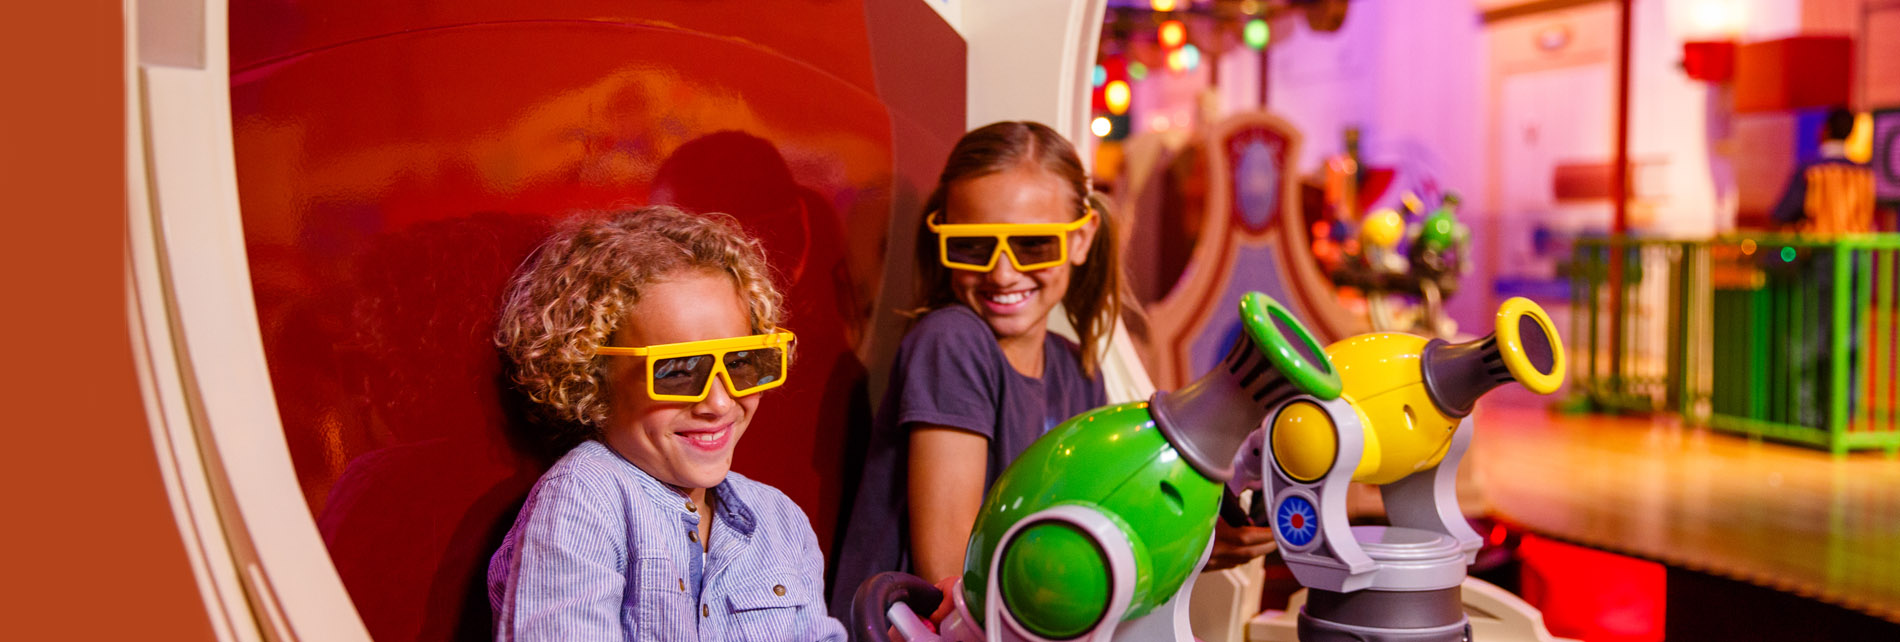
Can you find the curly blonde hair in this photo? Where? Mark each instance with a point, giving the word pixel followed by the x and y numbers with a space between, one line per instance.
pixel 576 289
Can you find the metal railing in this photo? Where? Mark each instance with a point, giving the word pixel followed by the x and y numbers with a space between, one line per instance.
pixel 1638 356
pixel 1787 338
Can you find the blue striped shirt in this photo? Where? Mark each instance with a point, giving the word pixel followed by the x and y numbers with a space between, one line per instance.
pixel 602 551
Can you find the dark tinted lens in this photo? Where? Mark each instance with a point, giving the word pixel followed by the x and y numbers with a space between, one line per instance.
pixel 684 376
pixel 1536 344
pixel 1031 250
pixel 753 368
pixel 969 250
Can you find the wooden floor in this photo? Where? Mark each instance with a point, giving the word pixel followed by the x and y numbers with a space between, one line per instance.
pixel 1785 517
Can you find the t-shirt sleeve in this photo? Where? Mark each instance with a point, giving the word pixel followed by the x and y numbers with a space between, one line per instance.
pixel 951 369
pixel 1080 392
pixel 1098 389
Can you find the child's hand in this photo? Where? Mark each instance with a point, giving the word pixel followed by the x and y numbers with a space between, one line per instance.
pixel 944 609
pixel 894 634
pixel 948 585
pixel 1236 545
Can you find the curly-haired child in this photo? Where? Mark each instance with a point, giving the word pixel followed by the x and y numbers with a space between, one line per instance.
pixel 649 335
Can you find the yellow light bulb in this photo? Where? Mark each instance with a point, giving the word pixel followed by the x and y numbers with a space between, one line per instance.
pixel 1116 95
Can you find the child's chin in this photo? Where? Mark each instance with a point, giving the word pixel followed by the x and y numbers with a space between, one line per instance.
pixel 707 478
pixel 1014 325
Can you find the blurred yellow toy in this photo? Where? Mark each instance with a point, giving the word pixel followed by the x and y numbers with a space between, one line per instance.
pixel 1391 261
pixel 1383 230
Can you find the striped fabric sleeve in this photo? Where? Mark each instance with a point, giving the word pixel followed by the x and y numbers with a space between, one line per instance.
pixel 567 583
pixel 824 628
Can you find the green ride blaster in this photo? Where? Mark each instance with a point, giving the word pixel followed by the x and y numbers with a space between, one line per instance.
pixel 1097 531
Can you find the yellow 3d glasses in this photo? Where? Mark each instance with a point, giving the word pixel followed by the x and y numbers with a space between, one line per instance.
pixel 684 371
pixel 1031 246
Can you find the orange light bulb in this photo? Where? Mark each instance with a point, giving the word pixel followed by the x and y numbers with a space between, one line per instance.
pixel 1172 34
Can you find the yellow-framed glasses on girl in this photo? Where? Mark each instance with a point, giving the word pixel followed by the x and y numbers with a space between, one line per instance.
pixel 685 371
pixel 1030 246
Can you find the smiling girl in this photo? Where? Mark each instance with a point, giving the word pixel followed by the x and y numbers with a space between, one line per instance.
pixel 1010 231
pixel 649 335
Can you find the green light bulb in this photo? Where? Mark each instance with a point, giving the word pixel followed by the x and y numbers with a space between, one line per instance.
pixel 1257 34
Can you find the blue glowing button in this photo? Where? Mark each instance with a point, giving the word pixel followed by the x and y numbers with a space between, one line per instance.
pixel 1296 522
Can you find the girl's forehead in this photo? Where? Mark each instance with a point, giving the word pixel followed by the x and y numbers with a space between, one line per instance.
pixel 1023 194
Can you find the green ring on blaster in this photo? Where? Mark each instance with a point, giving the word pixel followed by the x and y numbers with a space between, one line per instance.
pixel 1304 363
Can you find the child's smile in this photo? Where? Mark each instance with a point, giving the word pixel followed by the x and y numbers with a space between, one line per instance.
pixel 1009 302
pixel 713 439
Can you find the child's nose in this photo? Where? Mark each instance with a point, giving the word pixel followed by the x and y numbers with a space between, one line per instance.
pixel 1005 271
pixel 718 400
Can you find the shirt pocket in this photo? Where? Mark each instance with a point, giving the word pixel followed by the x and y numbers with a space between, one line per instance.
pixel 661 601
pixel 768 606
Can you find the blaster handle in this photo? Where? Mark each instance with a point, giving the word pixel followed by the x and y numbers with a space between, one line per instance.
pixel 872 604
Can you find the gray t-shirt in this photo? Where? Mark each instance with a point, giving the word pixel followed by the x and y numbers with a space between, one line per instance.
pixel 949 372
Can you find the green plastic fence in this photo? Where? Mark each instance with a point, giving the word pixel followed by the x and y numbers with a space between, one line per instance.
pixel 1636 360
pixel 1787 338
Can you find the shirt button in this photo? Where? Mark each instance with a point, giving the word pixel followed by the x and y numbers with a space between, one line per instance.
pixel 779 590
pixel 705 611
pixel 690 508
pixel 682 583
pixel 693 535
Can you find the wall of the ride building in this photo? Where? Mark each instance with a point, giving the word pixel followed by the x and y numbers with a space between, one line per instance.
pixel 396 162
pixel 94 550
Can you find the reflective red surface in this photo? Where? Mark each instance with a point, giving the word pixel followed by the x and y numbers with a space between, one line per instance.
pixel 397 161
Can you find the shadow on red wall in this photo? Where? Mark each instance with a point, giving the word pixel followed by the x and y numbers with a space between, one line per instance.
pixel 397 161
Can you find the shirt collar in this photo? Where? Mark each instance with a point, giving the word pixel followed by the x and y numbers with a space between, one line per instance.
pixel 728 507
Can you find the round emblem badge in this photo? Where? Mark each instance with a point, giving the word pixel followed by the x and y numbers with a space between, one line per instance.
pixel 1296 522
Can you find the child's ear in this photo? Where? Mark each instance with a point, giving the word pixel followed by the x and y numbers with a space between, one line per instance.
pixel 1082 239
